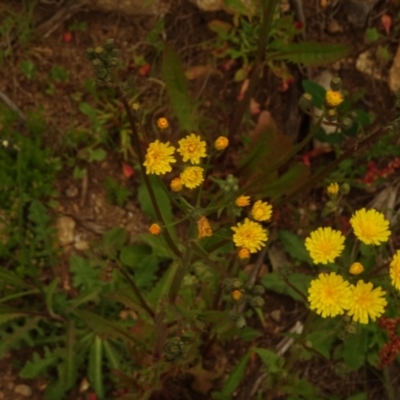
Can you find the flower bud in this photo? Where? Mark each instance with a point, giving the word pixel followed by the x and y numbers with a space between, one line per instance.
pixel 258 290
pixel 174 349
pixel 344 188
pixel 256 301
pixel 331 115
pixel 305 102
pixel 356 268
pixel 336 84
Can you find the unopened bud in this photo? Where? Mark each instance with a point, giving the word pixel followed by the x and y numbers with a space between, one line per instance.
pixel 330 206
pixel 344 188
pixel 336 84
pixel 347 123
pixel 331 115
pixel 305 102
pixel 256 301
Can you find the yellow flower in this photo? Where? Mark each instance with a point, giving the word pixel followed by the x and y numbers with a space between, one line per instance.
pixel 176 185
pixel 356 268
pixel 155 229
pixel 159 157
pixel 329 295
pixel 244 254
pixel 242 201
pixel 324 245
pixel 250 235
pixel 394 270
pixel 162 123
pixel 192 177
pixel 365 302
pixel 370 226
pixel 221 143
pixel 261 211
pixel 333 98
pixel 204 227
pixel 333 189
pixel 237 295
pixel 192 148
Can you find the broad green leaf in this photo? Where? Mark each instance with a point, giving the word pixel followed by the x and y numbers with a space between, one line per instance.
pixel 355 349
pixel 272 361
pixel 157 243
pixel 322 342
pixel 84 275
pixel 114 239
pixel 96 154
pixel 174 77
pixel 317 92
pixel 112 354
pixel 303 388
pixel 294 246
pixel 275 283
pixel 309 54
pixel 95 370
pixel 235 376
pixel 132 255
pixel 13 279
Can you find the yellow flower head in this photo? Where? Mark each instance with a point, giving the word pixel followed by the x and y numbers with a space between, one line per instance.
pixel 394 270
pixel 356 268
pixel 162 123
pixel 192 148
pixel 370 226
pixel 244 254
pixel 242 201
pixel 250 235
pixel 329 295
pixel 192 177
pixel 204 227
pixel 237 295
pixel 155 229
pixel 159 157
pixel 365 302
pixel 221 143
pixel 333 98
pixel 261 211
pixel 324 245
pixel 333 189
pixel 176 185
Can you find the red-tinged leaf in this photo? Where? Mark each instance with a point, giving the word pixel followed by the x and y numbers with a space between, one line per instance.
pixel 67 37
pixel 386 22
pixel 127 170
pixel 143 71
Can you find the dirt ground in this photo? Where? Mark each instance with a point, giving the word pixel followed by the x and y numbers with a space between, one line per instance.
pixel 85 202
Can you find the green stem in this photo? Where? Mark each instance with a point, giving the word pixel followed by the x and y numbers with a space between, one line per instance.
pixel 268 8
pixel 139 152
pixel 135 289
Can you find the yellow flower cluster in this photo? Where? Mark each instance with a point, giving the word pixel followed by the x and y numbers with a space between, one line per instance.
pixel 330 295
pixel 333 98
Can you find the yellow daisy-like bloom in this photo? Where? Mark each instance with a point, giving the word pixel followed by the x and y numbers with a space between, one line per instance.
pixel 250 235
pixel 192 148
pixel 329 295
pixel 204 228
pixel 244 254
pixel 333 98
pixel 370 226
pixel 261 211
pixel 221 143
pixel 192 177
pixel 333 189
pixel 237 295
pixel 176 185
pixel 324 245
pixel 242 201
pixel 159 157
pixel 356 268
pixel 394 270
pixel 155 229
pixel 162 123
pixel 366 302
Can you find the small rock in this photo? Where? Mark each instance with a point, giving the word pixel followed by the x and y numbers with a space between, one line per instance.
pixel 23 390
pixel 367 65
pixel 209 5
pixel 82 245
pixel 276 315
pixel 357 11
pixel 72 191
pixel 394 73
pixel 65 228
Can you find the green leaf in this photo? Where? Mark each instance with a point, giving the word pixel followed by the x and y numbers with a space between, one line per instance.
pixel 294 246
pixel 112 354
pixel 235 376
pixel 358 396
pixel 372 35
pixel 49 291
pixel 309 54
pixel 38 365
pixel 84 275
pixel 275 283
pixel 322 342
pixel 317 92
pixel 114 240
pixel 13 279
pixel 95 371
pixel 174 77
pixel 355 348
pixel 132 255
pixel 272 361
pixel 157 243
pixel 96 154
pixel 28 68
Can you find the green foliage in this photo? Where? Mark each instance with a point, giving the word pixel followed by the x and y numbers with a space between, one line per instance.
pixel 116 193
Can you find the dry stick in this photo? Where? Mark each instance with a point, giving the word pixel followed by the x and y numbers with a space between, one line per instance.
pixel 268 13
pixel 138 149
pixel 8 102
pixel 320 175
